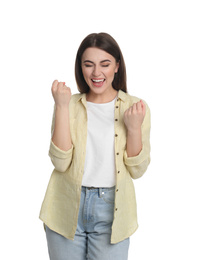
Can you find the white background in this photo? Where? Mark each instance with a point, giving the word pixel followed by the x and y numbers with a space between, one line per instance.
pixel 160 42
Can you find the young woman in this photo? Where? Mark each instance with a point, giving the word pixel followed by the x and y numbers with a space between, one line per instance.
pixel 100 142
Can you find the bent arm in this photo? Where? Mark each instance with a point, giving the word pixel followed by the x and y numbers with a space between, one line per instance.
pixel 138 161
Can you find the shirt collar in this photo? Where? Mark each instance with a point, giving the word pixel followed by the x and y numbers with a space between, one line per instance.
pixel 82 97
pixel 122 95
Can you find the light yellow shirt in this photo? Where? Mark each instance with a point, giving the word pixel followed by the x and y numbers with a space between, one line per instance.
pixel 60 207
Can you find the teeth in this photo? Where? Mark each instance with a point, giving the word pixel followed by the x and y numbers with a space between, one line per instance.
pixel 97 80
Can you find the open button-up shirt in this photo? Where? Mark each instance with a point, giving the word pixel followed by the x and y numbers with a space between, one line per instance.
pixel 60 207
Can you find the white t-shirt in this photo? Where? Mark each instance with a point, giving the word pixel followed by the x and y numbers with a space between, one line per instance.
pixel 99 170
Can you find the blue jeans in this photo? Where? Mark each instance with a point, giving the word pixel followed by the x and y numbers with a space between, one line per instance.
pixel 92 238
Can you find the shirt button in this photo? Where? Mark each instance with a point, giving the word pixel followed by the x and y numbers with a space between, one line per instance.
pixel 116 209
pixel 116 135
pixel 116 119
pixel 117 153
pixel 118 99
pixel 117 106
pixel 117 190
pixel 118 172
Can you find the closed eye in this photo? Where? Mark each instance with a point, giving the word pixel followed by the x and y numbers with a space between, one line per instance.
pixel 88 65
pixel 105 65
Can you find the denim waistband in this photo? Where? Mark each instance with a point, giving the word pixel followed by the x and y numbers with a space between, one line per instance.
pixel 97 189
pixel 100 191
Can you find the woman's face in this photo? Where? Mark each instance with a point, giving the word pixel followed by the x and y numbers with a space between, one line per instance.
pixel 99 68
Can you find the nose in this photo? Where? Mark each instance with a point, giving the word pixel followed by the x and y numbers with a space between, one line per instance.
pixel 96 72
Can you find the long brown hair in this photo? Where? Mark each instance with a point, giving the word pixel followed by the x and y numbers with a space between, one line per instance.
pixel 107 43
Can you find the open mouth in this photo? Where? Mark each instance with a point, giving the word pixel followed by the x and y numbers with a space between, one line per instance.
pixel 98 82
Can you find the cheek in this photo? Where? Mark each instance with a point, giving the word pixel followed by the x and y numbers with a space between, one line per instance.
pixel 85 73
pixel 111 74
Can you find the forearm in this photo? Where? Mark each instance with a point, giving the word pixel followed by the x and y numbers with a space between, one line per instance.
pixel 134 142
pixel 61 134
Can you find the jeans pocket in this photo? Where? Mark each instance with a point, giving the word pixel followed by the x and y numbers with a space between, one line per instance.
pixel 109 196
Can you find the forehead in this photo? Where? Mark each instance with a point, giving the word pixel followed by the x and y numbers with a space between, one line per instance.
pixel 96 54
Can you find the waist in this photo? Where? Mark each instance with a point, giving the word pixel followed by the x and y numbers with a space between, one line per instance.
pixel 97 189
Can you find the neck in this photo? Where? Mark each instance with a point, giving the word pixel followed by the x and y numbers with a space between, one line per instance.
pixel 101 98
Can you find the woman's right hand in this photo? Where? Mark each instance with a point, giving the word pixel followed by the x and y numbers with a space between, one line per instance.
pixel 61 93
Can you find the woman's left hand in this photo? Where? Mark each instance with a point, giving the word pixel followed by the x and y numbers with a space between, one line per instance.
pixel 134 116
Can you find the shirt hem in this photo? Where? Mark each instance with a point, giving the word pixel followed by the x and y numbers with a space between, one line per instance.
pixel 115 241
pixel 53 229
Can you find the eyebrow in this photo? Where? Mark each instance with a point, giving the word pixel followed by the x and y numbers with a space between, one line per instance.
pixel 93 62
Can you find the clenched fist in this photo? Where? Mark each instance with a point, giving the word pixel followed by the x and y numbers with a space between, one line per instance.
pixel 134 116
pixel 61 93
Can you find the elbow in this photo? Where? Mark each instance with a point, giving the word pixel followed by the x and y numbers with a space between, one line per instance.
pixel 138 171
pixel 59 167
pixel 60 164
pixel 61 160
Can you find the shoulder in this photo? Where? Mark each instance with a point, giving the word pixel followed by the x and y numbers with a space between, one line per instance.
pixel 76 97
pixel 129 100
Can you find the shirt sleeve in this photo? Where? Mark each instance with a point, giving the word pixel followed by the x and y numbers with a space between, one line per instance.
pixel 60 159
pixel 137 165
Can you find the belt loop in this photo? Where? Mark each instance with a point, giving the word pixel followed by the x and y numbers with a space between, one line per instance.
pixel 100 192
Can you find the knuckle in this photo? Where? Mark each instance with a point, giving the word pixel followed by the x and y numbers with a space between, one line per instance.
pixel 60 84
pixel 134 112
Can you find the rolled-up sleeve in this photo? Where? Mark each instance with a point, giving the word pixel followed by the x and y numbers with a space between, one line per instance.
pixel 137 165
pixel 60 159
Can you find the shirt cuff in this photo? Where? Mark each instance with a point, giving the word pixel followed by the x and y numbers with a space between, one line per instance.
pixel 136 160
pixel 57 152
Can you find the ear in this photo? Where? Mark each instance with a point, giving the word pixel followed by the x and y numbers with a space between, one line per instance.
pixel 117 66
